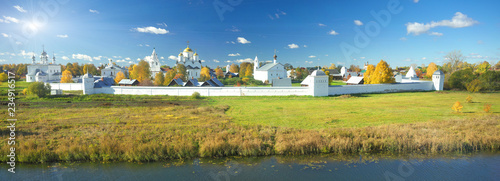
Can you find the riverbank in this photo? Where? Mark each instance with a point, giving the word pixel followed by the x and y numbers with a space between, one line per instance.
pixel 102 128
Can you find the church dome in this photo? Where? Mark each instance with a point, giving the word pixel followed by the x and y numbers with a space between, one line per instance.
pixel 317 73
pixel 188 49
pixel 438 72
pixel 195 54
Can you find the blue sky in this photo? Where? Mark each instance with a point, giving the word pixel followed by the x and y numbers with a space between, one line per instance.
pixel 304 33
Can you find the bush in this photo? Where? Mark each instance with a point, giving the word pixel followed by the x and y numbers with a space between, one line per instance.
pixel 457 107
pixel 487 108
pixel 474 86
pixel 196 95
pixel 459 79
pixel 468 99
pixel 490 80
pixel 39 89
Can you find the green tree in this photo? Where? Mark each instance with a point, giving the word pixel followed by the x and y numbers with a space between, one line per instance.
pixel 459 79
pixel 159 79
pixel 39 89
pixel 490 80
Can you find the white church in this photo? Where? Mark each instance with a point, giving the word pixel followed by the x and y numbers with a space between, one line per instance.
pixel 112 69
pixel 44 71
pixel 192 62
pixel 154 63
pixel 269 71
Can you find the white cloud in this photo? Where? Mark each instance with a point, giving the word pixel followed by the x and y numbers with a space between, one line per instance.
pixel 62 36
pixel 305 46
pixel 172 57
pixel 65 58
pixel 216 61
pixel 117 56
pixel 8 19
pixel 5 35
pixel 128 59
pixel 333 32
pixel 357 22
pixel 2 60
pixel 230 42
pixel 82 57
pixel 312 56
pixel 93 11
pixel 424 58
pixel 202 61
pixel 121 60
pixel 138 59
pixel 162 58
pixel 228 61
pixel 20 9
pixel 97 58
pixel 458 21
pixel 152 30
pixel 244 60
pixel 321 24
pixel 130 62
pixel 309 62
pixel 415 1
pixel 403 39
pixel 407 60
pixel 293 46
pixel 362 58
pixel 233 29
pixel 436 34
pixel 234 54
pixel 243 40
pixel 161 24
pixel 24 53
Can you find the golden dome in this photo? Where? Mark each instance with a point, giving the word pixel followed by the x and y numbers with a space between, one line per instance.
pixel 180 54
pixel 195 54
pixel 188 49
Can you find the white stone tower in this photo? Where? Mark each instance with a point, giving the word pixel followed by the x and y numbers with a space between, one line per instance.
pixel 227 68
pixel 318 83
pixel 255 64
pixel 88 83
pixel 438 80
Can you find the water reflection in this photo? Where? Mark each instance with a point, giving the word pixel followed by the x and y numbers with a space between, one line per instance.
pixel 314 167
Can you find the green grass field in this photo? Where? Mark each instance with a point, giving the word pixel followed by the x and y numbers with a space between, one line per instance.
pixel 357 111
pixel 154 128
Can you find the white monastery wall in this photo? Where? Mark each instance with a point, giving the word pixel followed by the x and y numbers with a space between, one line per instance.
pixel 205 91
pixel 67 86
pixel 381 88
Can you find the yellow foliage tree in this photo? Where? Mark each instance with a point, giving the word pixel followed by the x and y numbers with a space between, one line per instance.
pixel 119 77
pixel 169 76
pixel 457 107
pixel 369 71
pixel 219 73
pixel 159 79
pixel 332 66
pixel 204 74
pixel 3 77
pixel 431 69
pixel 234 68
pixel 382 74
pixel 141 71
pixel 67 77
pixel 249 71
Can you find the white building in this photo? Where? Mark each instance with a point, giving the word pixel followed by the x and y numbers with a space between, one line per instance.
pixel 154 63
pixel 111 70
pixel 44 71
pixel 269 71
pixel 412 75
pixel 192 62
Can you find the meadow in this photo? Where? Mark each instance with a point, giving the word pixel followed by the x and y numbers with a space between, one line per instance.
pixel 104 128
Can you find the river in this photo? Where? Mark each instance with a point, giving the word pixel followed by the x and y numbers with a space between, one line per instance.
pixel 484 166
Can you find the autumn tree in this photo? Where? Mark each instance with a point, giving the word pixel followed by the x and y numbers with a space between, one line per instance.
pixel 234 68
pixel 141 71
pixel 483 67
pixel 67 77
pixel 332 66
pixel 159 79
pixel 219 73
pixel 119 77
pixel 249 71
pixel 3 77
pixel 382 74
pixel 243 68
pixel 204 74
pixel 91 68
pixel 431 69
pixel 355 68
pixel 369 71
pixel 457 107
pixel 181 72
pixel 169 76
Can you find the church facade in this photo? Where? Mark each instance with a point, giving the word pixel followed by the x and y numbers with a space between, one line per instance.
pixel 111 70
pixel 44 71
pixel 269 71
pixel 154 63
pixel 192 62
